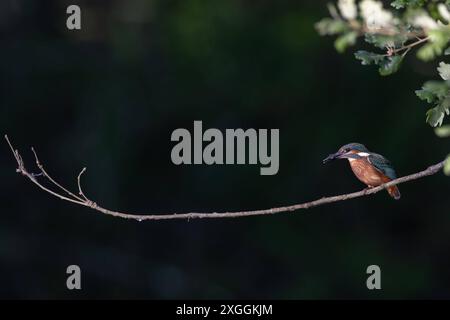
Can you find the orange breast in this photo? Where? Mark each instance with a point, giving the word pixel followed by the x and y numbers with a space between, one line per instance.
pixel 367 174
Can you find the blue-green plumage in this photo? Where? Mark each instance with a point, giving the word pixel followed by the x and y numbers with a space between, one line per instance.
pixel 382 164
pixel 354 146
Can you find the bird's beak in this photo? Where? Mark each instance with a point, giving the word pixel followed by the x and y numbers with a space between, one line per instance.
pixel 345 155
pixel 331 157
pixel 337 155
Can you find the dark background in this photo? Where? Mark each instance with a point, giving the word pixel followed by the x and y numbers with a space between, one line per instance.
pixel 109 96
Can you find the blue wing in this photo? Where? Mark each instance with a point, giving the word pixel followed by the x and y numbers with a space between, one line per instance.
pixel 383 165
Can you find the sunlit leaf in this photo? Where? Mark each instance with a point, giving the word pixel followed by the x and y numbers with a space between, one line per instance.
pixel 328 26
pixel 443 132
pixel 435 117
pixel 444 70
pixel 438 40
pixel 400 4
pixel 447 165
pixel 346 40
pixel 433 91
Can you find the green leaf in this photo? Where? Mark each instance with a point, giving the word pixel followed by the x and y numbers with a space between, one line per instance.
pixel 438 40
pixel 435 117
pixel 383 41
pixel 428 52
pixel 443 132
pixel 433 91
pixel 447 166
pixel 447 51
pixel 368 58
pixel 400 4
pixel 346 40
pixel 445 105
pixel 444 70
pixel 439 36
pixel 390 65
pixel 328 26
pixel 438 94
pixel 424 94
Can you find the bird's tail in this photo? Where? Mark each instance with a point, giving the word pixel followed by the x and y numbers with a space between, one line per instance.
pixel 394 192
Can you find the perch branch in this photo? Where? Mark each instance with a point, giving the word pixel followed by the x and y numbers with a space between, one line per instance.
pixel 83 200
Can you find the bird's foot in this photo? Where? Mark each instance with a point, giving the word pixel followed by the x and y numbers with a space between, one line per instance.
pixel 367 189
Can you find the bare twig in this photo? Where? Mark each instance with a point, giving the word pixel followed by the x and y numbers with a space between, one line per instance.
pixel 80 190
pixel 412 44
pixel 406 48
pixel 84 201
pixel 45 174
pixel 23 171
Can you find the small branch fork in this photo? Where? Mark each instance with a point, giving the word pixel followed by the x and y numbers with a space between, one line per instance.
pixel 82 200
pixel 406 48
pixel 420 37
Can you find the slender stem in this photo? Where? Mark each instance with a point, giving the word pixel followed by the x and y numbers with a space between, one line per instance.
pixel 411 45
pixel 45 174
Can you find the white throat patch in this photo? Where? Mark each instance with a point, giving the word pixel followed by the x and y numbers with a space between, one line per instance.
pixel 363 154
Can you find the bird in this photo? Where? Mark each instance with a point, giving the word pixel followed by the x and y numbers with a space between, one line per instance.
pixel 370 168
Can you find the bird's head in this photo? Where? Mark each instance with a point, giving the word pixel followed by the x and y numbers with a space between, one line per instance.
pixel 349 151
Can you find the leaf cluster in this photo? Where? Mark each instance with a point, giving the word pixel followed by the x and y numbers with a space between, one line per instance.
pixel 406 25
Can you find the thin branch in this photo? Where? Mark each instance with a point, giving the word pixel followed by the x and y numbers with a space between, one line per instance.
pixel 45 174
pixel 80 190
pixel 406 48
pixel 23 171
pixel 406 52
pixel 197 215
pixel 411 45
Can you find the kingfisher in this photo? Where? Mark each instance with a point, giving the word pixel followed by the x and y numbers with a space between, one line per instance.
pixel 370 168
